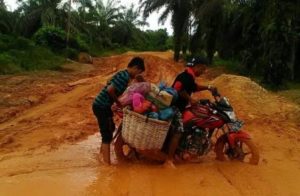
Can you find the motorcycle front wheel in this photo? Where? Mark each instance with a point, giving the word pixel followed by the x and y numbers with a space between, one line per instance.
pixel 244 150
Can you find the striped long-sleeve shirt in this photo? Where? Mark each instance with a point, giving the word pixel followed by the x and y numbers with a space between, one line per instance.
pixel 120 82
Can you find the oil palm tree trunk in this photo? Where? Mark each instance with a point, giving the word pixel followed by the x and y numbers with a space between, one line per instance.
pixel 69 22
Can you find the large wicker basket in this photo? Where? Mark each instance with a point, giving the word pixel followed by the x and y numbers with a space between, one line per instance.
pixel 143 133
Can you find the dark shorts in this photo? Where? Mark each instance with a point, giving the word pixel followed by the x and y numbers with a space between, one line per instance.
pixel 106 124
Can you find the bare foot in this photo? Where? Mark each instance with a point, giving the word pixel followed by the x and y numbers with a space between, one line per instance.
pixel 105 163
pixel 100 159
pixel 169 164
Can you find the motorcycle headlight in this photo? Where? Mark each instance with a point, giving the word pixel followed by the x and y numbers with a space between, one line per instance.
pixel 231 115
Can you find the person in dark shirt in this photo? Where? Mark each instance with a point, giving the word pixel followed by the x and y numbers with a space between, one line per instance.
pixel 185 85
pixel 108 96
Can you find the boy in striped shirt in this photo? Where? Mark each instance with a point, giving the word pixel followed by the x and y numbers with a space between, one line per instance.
pixel 109 95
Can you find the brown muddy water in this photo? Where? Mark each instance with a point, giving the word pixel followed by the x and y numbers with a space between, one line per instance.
pixel 74 170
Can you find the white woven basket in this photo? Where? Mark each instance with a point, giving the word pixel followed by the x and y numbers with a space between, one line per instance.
pixel 143 133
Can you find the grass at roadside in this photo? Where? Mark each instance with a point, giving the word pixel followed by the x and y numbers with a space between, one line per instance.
pixel 292 93
pixel 20 54
pixel 231 66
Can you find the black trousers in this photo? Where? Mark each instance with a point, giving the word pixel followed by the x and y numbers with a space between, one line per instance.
pixel 106 124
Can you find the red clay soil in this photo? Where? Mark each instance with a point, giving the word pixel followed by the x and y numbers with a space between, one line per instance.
pixel 49 138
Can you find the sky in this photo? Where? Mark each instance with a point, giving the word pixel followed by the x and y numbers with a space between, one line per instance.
pixel 152 19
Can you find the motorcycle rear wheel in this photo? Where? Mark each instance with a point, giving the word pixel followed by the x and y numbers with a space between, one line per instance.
pixel 123 151
pixel 244 151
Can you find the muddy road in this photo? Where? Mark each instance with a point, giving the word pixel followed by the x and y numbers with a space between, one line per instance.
pixel 49 140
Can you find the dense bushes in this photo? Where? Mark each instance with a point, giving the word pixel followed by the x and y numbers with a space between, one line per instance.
pixel 56 39
pixel 7 64
pixel 20 54
pixel 51 37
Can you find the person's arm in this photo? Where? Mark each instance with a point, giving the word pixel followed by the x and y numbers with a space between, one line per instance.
pixel 112 93
pixel 203 88
pixel 186 96
pixel 212 89
pixel 182 93
pixel 118 83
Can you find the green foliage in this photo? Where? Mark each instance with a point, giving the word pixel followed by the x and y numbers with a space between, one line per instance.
pixel 157 40
pixel 10 42
pixel 37 13
pixel 180 11
pixel 38 58
pixel 293 94
pixel 51 37
pixel 56 39
pixel 262 35
pixel 9 21
pixel 96 27
pixel 7 64
pixel 100 25
pixel 231 65
pixel 71 53
pixel 78 43
pixel 138 40
pixel 20 54
pixel 208 16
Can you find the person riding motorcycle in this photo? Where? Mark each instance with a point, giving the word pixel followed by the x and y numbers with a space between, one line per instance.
pixel 185 85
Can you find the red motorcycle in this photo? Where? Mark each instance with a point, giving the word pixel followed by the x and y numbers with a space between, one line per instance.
pixel 202 124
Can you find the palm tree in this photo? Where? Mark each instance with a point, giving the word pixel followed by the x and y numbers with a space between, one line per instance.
pixel 208 20
pixel 9 21
pixel 127 26
pixel 180 11
pixel 106 14
pixel 36 13
pixel 131 16
pixel 2 4
pixel 85 8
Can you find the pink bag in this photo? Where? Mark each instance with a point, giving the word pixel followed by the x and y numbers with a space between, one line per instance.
pixel 142 88
pixel 137 100
pixel 140 104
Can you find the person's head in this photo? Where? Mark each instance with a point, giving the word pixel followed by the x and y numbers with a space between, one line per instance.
pixel 136 66
pixel 198 64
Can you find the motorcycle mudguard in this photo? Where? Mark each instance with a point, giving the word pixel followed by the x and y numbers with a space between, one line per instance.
pixel 232 136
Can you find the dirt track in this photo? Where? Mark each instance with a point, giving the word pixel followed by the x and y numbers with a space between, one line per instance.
pixel 49 146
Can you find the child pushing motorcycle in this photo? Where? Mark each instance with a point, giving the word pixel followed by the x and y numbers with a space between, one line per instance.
pixel 108 96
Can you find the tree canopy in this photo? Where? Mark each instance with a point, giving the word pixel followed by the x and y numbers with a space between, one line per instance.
pixel 262 35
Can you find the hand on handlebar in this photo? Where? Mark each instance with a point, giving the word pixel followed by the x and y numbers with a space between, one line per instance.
pixel 214 91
